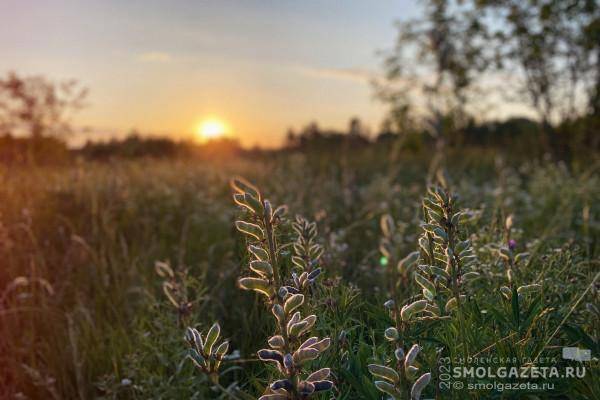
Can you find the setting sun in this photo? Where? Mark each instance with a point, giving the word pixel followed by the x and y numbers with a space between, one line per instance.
pixel 211 129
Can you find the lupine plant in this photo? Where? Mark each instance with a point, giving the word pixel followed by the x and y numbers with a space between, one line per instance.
pixel 289 348
pixel 398 277
pixel 440 268
pixel 512 260
pixel 306 255
pixel 446 252
pixel 174 287
pixel 401 379
pixel 206 353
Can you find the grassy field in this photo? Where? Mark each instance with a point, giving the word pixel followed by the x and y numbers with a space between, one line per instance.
pixel 84 313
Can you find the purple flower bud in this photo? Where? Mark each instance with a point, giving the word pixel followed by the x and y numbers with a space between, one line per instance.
pixel 512 244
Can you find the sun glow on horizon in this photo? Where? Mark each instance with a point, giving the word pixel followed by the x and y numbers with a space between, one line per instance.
pixel 211 128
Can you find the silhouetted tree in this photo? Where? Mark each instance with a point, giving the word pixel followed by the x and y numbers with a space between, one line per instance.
pixel 36 108
pixel 431 70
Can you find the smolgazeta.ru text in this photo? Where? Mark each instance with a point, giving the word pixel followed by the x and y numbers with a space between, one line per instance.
pixel 527 372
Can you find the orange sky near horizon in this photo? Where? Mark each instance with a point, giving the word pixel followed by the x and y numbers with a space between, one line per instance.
pixel 161 68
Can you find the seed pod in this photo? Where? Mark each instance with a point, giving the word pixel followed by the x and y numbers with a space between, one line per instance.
pixel 409 310
pixel 432 206
pixel 391 334
pixel 295 318
pixel 438 271
pixel 456 218
pixel 293 302
pixel 387 225
pixel 299 262
pixel 387 387
pixel 302 279
pixel 423 245
pixel 275 396
pixel 257 284
pixel 270 355
pixel 194 338
pixel 469 276
pixel 528 288
pixel 408 261
pixel 461 246
pixel 419 385
pixel 411 372
pixel 384 372
pixel 428 295
pixel 316 251
pixel 309 342
pixel 198 360
pixel 303 355
pixel 306 388
pixel 294 330
pixel 505 253
pixel 238 198
pixel 411 355
pixel 283 292
pixel 425 283
pixel 220 353
pixel 222 349
pixel 281 384
pixel 262 268
pixel 242 186
pixel 506 292
pixel 278 312
pixel 276 342
pixel 436 216
pixel 163 269
pixel 253 203
pixel 279 212
pixel 211 338
pixel 399 354
pixel 250 229
pixel 319 375
pixel 521 256
pixel 321 386
pixel 314 274
pixel 322 345
pixel 170 291
pixel 259 252
pixel 439 232
pixel 452 304
pixel 433 309
pixel 310 322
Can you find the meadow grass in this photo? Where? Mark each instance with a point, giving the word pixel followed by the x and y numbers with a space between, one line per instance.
pixel 84 313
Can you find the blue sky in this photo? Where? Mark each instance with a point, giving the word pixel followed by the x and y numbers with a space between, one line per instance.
pixel 162 67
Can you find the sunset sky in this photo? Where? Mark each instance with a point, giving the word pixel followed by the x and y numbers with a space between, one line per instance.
pixel 164 67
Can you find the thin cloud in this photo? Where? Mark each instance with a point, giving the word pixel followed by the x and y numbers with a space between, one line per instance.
pixel 358 75
pixel 154 57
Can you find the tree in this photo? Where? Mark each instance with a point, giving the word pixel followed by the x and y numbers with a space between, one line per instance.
pixel 552 46
pixel 34 106
pixel 429 73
